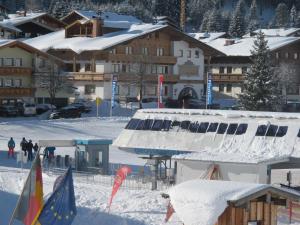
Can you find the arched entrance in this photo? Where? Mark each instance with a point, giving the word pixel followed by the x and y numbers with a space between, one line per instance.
pixel 187 91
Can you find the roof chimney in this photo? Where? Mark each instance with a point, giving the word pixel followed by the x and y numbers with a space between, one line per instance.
pixel 229 42
pixel 97 27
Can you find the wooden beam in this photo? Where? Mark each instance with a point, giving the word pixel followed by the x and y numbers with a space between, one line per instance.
pixel 260 211
pixel 273 214
pixel 267 214
pixel 232 217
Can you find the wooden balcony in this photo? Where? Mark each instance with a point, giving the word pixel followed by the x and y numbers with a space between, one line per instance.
pixel 85 76
pixel 8 71
pixel 231 78
pixel 16 92
pixel 127 77
pixel 140 58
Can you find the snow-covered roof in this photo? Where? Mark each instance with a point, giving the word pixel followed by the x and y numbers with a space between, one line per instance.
pixel 111 19
pixel 5 42
pixel 16 19
pixel 9 26
pixel 203 201
pixel 207 37
pixel 243 47
pixel 57 40
pixel 282 32
pixel 224 136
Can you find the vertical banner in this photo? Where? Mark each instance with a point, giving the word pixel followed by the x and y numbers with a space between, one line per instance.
pixel 160 91
pixel 120 177
pixel 113 92
pixel 209 97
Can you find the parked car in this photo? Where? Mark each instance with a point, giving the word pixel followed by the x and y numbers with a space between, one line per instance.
pixel 41 108
pixel 29 109
pixel 66 112
pixel 82 106
pixel 291 106
pixel 8 110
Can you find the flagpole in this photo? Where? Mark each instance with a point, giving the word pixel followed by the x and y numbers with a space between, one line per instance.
pixel 19 199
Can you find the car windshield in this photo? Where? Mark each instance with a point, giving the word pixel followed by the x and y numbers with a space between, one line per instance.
pixel 29 105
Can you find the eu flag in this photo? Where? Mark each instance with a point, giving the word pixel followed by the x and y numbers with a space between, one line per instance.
pixel 60 209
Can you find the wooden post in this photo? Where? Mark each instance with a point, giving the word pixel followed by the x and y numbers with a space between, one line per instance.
pixel 253 211
pixel 273 214
pixel 267 214
pixel 260 211
pixel 232 219
pixel 245 217
pixel 74 63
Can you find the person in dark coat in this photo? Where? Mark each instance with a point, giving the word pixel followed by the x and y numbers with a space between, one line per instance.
pixel 29 150
pixel 35 148
pixel 11 146
pixel 23 146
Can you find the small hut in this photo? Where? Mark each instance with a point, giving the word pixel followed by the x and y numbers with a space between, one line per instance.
pixel 209 202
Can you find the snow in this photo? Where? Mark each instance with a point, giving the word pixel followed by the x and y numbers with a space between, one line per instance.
pixel 203 201
pixel 5 42
pixel 57 40
pixel 282 32
pixel 210 146
pixel 16 19
pixel 111 19
pixel 243 47
pixel 207 37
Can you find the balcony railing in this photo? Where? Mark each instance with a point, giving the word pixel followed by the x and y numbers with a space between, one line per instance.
pixel 16 92
pixel 15 71
pixel 228 77
pixel 141 58
pixel 85 76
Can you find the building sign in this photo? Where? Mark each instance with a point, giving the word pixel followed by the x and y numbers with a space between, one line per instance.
pixel 113 90
pixel 209 97
pixel 160 91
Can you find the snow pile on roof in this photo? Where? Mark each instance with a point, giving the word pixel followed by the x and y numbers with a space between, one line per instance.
pixel 111 19
pixel 203 201
pixel 207 37
pixel 282 32
pixel 246 147
pixel 17 19
pixel 5 42
pixel 57 40
pixel 243 47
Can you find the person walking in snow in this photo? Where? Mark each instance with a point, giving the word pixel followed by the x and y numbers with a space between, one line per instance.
pixel 35 148
pixel 11 146
pixel 23 146
pixel 29 150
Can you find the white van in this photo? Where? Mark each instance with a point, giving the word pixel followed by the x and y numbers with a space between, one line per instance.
pixel 29 109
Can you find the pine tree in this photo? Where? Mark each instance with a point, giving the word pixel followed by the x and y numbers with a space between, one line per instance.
pixel 237 23
pixel 281 16
pixel 261 89
pixel 253 18
pixel 205 21
pixel 214 21
pixel 293 16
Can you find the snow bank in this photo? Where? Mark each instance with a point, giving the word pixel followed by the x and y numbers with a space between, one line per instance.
pixel 203 201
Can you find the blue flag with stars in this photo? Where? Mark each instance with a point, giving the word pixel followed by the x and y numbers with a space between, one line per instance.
pixel 60 208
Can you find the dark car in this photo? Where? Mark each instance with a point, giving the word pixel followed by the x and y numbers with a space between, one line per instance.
pixel 85 108
pixel 66 112
pixel 8 110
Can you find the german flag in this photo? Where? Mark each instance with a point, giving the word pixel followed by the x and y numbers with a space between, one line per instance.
pixel 30 202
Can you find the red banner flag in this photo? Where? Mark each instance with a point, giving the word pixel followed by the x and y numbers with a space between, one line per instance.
pixel 160 91
pixel 120 177
pixel 170 211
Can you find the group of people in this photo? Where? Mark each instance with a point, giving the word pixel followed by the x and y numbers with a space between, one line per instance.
pixel 27 147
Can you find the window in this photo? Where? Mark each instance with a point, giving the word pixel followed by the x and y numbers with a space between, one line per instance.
pixel 140 125
pixel 8 61
pixel 156 34
pixel 232 128
pixel 296 55
pixel 159 51
pixel 272 130
pixel 161 69
pixel 185 124
pixel 157 125
pixel 166 125
pixel 229 69
pixel 242 128
pixel 113 51
pixel 89 89
pixel 87 67
pixel 166 90
pixel 189 53
pixel 221 69
pixel 175 123
pixel 128 50
pixel 203 127
pixel 115 68
pixel 281 131
pixel 17 82
pixel 194 127
pixel 18 62
pixel 197 54
pixel 261 130
pixel 222 128
pixel 145 51
pixel 132 124
pixel 298 135
pixel 153 69
pixel 180 53
pixel 212 127
pixel 8 83
pixel 277 55
pixel 229 88
pixel 221 87
pixel 244 70
pixel 147 124
pixel 42 63
pixel 1 82
pixel 1 61
pixel 287 55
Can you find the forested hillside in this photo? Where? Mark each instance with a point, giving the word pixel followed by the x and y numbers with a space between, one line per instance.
pixel 233 16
